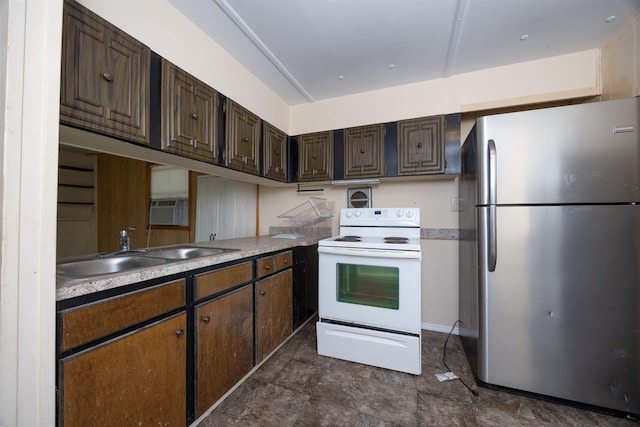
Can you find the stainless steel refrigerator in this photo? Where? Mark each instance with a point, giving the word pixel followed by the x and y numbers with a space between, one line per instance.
pixel 550 252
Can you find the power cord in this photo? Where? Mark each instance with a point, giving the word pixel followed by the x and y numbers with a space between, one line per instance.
pixel 444 361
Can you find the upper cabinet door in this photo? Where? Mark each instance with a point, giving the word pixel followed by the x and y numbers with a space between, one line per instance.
pixel 243 139
pixel 189 119
pixel 363 151
pixel 105 77
pixel 315 156
pixel 421 146
pixel 275 153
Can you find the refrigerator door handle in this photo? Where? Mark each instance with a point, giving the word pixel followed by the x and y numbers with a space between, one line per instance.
pixel 492 172
pixel 493 250
pixel 491 237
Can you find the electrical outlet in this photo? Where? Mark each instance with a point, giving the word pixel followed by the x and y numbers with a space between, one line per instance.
pixel 455 204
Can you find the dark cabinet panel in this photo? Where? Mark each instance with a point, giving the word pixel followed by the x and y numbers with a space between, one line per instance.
pixel 421 146
pixel 242 149
pixel 104 77
pixel 363 151
pixel 315 156
pixel 275 153
pixel 190 120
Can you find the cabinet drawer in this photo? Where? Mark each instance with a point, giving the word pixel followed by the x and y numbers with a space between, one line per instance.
pixel 223 279
pixel 89 322
pixel 271 264
pixel 284 260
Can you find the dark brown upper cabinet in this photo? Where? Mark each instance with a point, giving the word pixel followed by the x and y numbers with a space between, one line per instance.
pixel 242 149
pixel 315 156
pixel 189 115
pixel 104 77
pixel 275 153
pixel 364 151
pixel 421 146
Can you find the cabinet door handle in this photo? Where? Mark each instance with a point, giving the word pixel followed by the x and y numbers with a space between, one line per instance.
pixel 277 152
pixel 419 144
pixel 362 150
pixel 195 116
pixel 245 139
pixel 179 333
pixel 262 292
pixel 107 76
pixel 206 319
pixel 314 156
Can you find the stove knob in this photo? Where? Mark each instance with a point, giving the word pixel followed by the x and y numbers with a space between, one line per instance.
pixel 399 213
pixel 409 214
pixel 348 214
pixel 357 213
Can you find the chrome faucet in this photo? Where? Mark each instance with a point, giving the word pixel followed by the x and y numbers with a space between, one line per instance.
pixel 124 238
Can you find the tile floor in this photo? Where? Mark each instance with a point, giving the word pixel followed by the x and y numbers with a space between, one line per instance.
pixel 296 387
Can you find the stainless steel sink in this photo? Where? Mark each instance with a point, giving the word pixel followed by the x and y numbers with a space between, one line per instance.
pixel 186 252
pixel 106 265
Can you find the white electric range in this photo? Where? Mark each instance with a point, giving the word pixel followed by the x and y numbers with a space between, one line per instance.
pixel 369 289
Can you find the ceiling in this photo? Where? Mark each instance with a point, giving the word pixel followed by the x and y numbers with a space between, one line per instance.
pixel 309 50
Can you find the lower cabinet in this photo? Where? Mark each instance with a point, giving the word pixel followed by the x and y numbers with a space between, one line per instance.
pixel 138 379
pixel 224 345
pixel 274 312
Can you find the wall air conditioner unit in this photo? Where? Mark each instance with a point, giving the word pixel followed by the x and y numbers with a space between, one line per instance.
pixel 169 212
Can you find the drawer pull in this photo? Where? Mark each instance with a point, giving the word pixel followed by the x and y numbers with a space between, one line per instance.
pixel 286 261
pixel 262 292
pixel 195 116
pixel 179 333
pixel 206 319
pixel 267 267
pixel 107 76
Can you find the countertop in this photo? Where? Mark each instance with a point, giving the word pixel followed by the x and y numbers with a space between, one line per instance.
pixel 248 247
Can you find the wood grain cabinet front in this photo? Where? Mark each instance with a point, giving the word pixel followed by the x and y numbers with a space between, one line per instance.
pixel 242 149
pixel 273 263
pixel 275 164
pixel 364 151
pixel 315 156
pixel 274 312
pixel 104 77
pixel 137 379
pixel 220 280
pixel 224 349
pixel 421 146
pixel 189 118
pixel 83 324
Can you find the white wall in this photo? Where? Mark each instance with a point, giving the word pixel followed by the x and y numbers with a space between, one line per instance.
pixel 29 97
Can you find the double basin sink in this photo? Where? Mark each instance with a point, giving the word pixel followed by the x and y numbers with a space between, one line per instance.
pixel 118 262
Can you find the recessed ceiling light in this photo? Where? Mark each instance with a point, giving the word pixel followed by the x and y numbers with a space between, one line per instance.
pixel 611 18
pixel 391 66
pixel 340 77
pixel 524 37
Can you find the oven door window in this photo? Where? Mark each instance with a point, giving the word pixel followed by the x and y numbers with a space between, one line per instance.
pixel 370 285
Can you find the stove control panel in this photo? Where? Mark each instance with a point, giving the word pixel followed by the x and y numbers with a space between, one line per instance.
pixel 380 217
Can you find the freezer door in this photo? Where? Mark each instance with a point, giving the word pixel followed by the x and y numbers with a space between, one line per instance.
pixel 560 313
pixel 585 153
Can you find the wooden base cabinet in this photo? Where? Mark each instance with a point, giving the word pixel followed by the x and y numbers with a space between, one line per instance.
pixel 224 334
pixel 138 379
pixel 274 312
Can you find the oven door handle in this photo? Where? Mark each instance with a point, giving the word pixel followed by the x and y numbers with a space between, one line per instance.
pixel 369 253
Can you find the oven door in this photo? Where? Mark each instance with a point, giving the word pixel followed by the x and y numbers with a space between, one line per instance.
pixel 370 287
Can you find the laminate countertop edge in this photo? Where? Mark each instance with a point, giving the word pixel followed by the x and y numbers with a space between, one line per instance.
pixel 246 247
